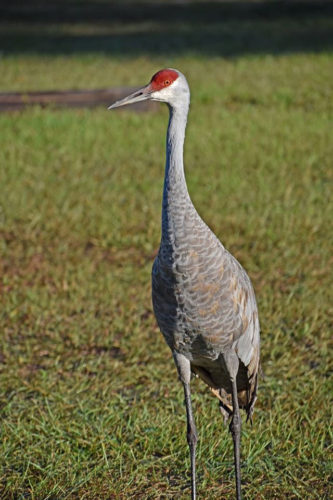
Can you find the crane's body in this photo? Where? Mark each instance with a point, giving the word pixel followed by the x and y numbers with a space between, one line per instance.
pixel 204 305
pixel 203 299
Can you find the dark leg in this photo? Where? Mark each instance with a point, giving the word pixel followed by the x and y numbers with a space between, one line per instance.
pixel 235 429
pixel 184 371
pixel 192 437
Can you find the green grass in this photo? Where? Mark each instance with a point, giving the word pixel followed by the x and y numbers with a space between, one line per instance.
pixel 90 403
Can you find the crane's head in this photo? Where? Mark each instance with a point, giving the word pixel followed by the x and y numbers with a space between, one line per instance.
pixel 167 85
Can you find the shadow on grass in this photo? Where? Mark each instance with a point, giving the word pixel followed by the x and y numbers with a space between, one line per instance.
pixel 130 28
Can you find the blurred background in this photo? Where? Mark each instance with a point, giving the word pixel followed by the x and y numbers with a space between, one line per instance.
pixel 89 399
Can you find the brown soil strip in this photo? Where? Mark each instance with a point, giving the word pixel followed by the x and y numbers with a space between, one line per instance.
pixel 13 101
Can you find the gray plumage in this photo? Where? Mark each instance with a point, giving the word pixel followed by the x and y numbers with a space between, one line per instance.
pixel 203 299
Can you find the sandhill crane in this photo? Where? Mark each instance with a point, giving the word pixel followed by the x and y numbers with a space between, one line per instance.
pixel 203 299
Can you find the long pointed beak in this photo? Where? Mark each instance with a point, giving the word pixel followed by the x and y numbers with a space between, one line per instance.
pixel 139 95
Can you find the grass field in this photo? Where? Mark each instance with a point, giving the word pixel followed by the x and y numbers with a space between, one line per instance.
pixel 90 403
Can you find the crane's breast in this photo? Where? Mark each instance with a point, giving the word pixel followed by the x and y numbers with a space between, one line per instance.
pixel 201 299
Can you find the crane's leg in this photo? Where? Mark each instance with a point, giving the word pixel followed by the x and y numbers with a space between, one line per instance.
pixel 235 429
pixel 230 363
pixel 184 371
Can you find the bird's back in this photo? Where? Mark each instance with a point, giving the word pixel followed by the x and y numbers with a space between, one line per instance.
pixel 205 304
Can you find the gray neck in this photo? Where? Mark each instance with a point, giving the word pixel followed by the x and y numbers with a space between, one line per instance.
pixel 175 194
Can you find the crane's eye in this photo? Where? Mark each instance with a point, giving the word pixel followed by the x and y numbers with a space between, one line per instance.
pixel 166 82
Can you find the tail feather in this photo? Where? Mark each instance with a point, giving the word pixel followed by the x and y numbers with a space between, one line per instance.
pixel 246 398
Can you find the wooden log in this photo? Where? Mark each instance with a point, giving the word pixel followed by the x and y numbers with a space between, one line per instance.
pixel 13 101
